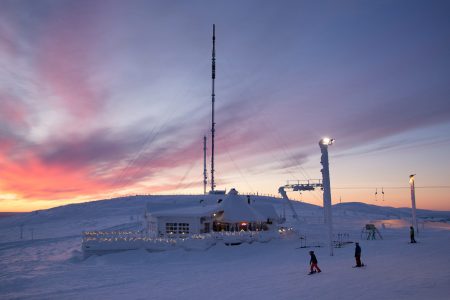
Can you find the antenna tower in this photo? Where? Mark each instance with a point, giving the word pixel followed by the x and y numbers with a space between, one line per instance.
pixel 213 76
pixel 205 174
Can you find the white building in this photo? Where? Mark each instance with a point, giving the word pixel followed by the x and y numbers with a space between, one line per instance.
pixel 234 213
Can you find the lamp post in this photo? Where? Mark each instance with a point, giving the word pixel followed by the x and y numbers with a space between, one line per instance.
pixel 323 144
pixel 413 202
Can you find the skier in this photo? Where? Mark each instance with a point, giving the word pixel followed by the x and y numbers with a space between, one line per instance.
pixel 358 255
pixel 411 234
pixel 313 263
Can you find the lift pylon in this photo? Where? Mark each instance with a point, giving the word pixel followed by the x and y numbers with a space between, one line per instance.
pixel 298 185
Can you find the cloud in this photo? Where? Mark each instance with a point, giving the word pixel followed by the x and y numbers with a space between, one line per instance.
pixel 103 160
pixel 397 116
pixel 76 75
pixel 64 64
pixel 13 112
pixel 31 179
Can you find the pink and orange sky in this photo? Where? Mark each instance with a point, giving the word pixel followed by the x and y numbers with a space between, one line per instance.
pixel 106 98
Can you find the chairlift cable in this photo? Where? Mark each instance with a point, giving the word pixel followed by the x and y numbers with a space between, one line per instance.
pixel 186 173
pixel 391 187
pixel 237 167
pixel 150 138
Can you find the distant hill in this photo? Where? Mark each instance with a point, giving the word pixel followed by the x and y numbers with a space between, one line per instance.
pixel 123 212
pixel 392 211
pixel 8 214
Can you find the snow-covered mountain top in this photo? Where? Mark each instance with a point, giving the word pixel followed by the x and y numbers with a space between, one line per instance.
pixel 72 219
pixel 51 267
pixel 390 212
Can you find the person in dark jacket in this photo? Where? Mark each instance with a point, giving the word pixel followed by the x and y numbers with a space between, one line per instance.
pixel 313 263
pixel 358 255
pixel 411 234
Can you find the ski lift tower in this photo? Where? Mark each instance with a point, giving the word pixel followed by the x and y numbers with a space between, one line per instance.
pixel 298 185
pixel 323 144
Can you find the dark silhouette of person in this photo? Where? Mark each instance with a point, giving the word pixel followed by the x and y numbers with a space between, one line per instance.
pixel 411 234
pixel 358 255
pixel 313 263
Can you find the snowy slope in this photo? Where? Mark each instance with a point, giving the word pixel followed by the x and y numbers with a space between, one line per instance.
pixel 51 266
pixel 391 212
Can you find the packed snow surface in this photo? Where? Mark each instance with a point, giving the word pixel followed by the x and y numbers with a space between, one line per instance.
pixel 51 266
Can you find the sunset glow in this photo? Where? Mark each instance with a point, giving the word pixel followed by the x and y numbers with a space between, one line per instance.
pixel 100 99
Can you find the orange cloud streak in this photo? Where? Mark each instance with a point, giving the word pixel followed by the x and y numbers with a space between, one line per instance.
pixel 32 179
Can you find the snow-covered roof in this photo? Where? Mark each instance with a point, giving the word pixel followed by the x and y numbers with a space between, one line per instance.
pixel 266 210
pixel 192 211
pixel 236 209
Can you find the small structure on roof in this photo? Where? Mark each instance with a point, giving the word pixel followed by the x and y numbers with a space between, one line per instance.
pixel 233 214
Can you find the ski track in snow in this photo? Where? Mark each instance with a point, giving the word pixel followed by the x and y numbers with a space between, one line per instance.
pixel 52 265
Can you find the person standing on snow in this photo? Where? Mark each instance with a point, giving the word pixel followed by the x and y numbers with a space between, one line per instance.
pixel 358 255
pixel 411 234
pixel 313 263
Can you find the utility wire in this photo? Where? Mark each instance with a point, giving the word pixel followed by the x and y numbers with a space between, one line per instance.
pixel 392 187
pixel 186 173
pixel 237 167
pixel 121 180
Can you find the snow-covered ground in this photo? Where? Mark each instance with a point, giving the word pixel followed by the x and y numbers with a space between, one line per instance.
pixel 52 266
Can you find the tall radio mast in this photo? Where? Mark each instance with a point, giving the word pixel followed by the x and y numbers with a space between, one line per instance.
pixel 205 174
pixel 213 76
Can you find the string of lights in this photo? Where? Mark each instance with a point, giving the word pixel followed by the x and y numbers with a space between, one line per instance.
pixel 111 240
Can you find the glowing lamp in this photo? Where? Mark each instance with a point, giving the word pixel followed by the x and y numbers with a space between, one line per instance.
pixel 411 178
pixel 327 141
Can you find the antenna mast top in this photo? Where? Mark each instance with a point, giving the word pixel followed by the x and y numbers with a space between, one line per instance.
pixel 213 76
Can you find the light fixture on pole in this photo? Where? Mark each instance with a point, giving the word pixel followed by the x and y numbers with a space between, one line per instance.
pixel 323 144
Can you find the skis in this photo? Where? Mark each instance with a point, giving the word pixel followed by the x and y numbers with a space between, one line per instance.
pixel 313 272
pixel 362 266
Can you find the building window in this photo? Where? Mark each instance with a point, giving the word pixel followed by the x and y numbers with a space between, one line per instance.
pixel 183 228
pixel 177 228
pixel 171 228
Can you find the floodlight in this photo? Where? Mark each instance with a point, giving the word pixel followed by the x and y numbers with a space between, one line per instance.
pixel 327 141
